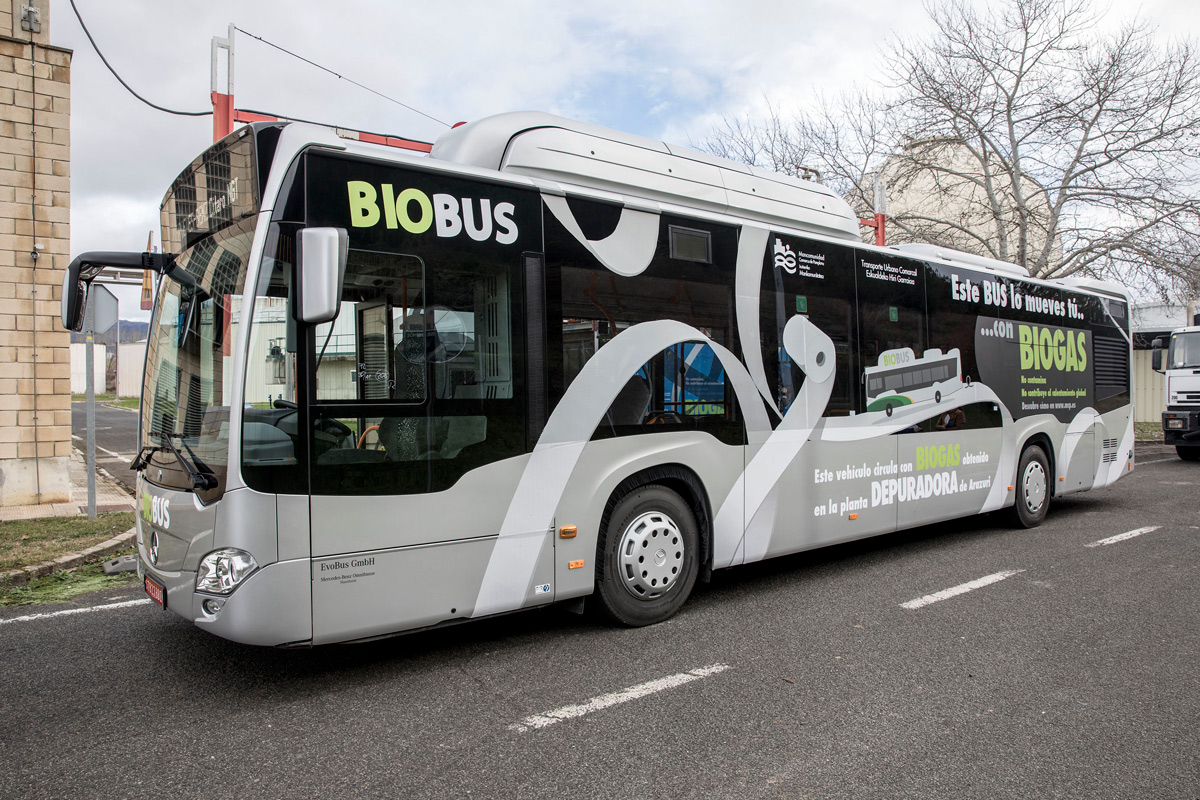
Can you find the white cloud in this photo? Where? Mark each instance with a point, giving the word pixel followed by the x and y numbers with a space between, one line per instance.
pixel 667 69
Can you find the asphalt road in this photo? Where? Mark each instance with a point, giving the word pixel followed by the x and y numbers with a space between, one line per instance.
pixel 116 438
pixel 1077 675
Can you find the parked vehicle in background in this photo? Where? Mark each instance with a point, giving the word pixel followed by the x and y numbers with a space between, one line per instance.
pixel 1181 420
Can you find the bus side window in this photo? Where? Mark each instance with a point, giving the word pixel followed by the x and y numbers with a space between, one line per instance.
pixel 794 285
pixel 973 416
pixel 683 384
pixel 891 306
pixel 691 280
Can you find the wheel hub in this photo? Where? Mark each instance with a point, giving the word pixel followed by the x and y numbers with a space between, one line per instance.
pixel 1033 483
pixel 650 555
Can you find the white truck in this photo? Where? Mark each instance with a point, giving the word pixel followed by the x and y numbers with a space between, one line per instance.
pixel 1181 420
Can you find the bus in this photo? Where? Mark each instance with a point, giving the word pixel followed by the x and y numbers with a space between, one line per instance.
pixel 549 362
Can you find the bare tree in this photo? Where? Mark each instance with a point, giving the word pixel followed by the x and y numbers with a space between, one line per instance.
pixel 1021 133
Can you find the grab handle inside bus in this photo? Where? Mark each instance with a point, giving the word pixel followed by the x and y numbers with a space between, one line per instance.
pixel 322 255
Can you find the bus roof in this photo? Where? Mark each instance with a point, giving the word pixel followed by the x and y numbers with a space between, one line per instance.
pixel 567 152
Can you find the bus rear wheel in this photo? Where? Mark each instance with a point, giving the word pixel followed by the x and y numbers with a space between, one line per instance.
pixel 1033 488
pixel 651 557
pixel 1188 453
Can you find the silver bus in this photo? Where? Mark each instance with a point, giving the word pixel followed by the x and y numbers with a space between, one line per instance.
pixel 551 362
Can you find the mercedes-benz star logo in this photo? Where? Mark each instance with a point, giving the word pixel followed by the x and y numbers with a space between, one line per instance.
pixel 154 548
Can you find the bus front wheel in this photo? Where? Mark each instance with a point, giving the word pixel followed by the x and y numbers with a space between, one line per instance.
pixel 1188 453
pixel 1033 488
pixel 651 557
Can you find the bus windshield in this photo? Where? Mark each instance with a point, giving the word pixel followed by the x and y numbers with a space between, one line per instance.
pixel 1185 350
pixel 188 386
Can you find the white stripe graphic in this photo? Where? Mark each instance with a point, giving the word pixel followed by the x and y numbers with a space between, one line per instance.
pixel 734 527
pixel 615 698
pixel 752 248
pixel 628 250
pixel 1120 537
pixel 72 611
pixel 962 588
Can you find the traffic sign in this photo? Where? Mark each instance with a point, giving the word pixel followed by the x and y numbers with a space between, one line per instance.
pixel 102 306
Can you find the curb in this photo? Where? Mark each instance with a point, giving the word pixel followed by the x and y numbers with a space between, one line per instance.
pixel 22 576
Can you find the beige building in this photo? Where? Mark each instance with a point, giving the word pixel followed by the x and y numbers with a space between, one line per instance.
pixel 35 234
pixel 939 193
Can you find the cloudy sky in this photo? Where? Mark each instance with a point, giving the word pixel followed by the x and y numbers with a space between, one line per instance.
pixel 665 69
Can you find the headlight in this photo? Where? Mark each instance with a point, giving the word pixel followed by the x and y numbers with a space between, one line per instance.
pixel 221 571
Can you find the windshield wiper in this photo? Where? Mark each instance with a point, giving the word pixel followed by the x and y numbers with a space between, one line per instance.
pixel 202 475
pixel 142 459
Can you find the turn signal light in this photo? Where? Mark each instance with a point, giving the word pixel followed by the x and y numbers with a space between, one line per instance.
pixel 567 532
pixel 575 564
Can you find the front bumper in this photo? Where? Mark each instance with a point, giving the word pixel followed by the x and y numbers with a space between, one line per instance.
pixel 1181 426
pixel 273 606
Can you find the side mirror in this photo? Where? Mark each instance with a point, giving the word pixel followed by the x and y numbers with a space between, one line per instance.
pixel 84 268
pixel 321 254
pixel 1156 356
pixel 74 297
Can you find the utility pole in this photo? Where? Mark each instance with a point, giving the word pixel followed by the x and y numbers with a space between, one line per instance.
pixel 879 222
pixel 100 315
pixel 222 101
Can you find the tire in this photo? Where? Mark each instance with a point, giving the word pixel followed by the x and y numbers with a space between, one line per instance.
pixel 1188 453
pixel 1034 485
pixel 651 541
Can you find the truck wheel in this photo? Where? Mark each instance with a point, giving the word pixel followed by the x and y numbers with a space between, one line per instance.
pixel 1033 488
pixel 1188 453
pixel 651 557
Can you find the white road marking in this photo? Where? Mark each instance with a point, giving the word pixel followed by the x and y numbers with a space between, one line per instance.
pixel 106 452
pixel 615 698
pixel 72 611
pixel 1120 537
pixel 962 588
pixel 1155 461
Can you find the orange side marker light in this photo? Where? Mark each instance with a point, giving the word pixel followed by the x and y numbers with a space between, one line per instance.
pixel 575 564
pixel 567 532
pixel 854 516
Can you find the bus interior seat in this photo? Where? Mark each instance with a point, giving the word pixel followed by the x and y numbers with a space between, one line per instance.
pixel 413 438
pixel 631 403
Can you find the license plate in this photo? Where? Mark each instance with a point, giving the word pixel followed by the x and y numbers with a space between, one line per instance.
pixel 156 591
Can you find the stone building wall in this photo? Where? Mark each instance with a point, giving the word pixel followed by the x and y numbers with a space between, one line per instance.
pixel 35 195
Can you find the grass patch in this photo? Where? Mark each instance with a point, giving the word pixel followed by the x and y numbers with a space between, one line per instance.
pixel 1148 432
pixel 32 541
pixel 110 399
pixel 64 585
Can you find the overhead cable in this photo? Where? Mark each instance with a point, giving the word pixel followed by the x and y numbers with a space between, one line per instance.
pixel 122 80
pixel 340 77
